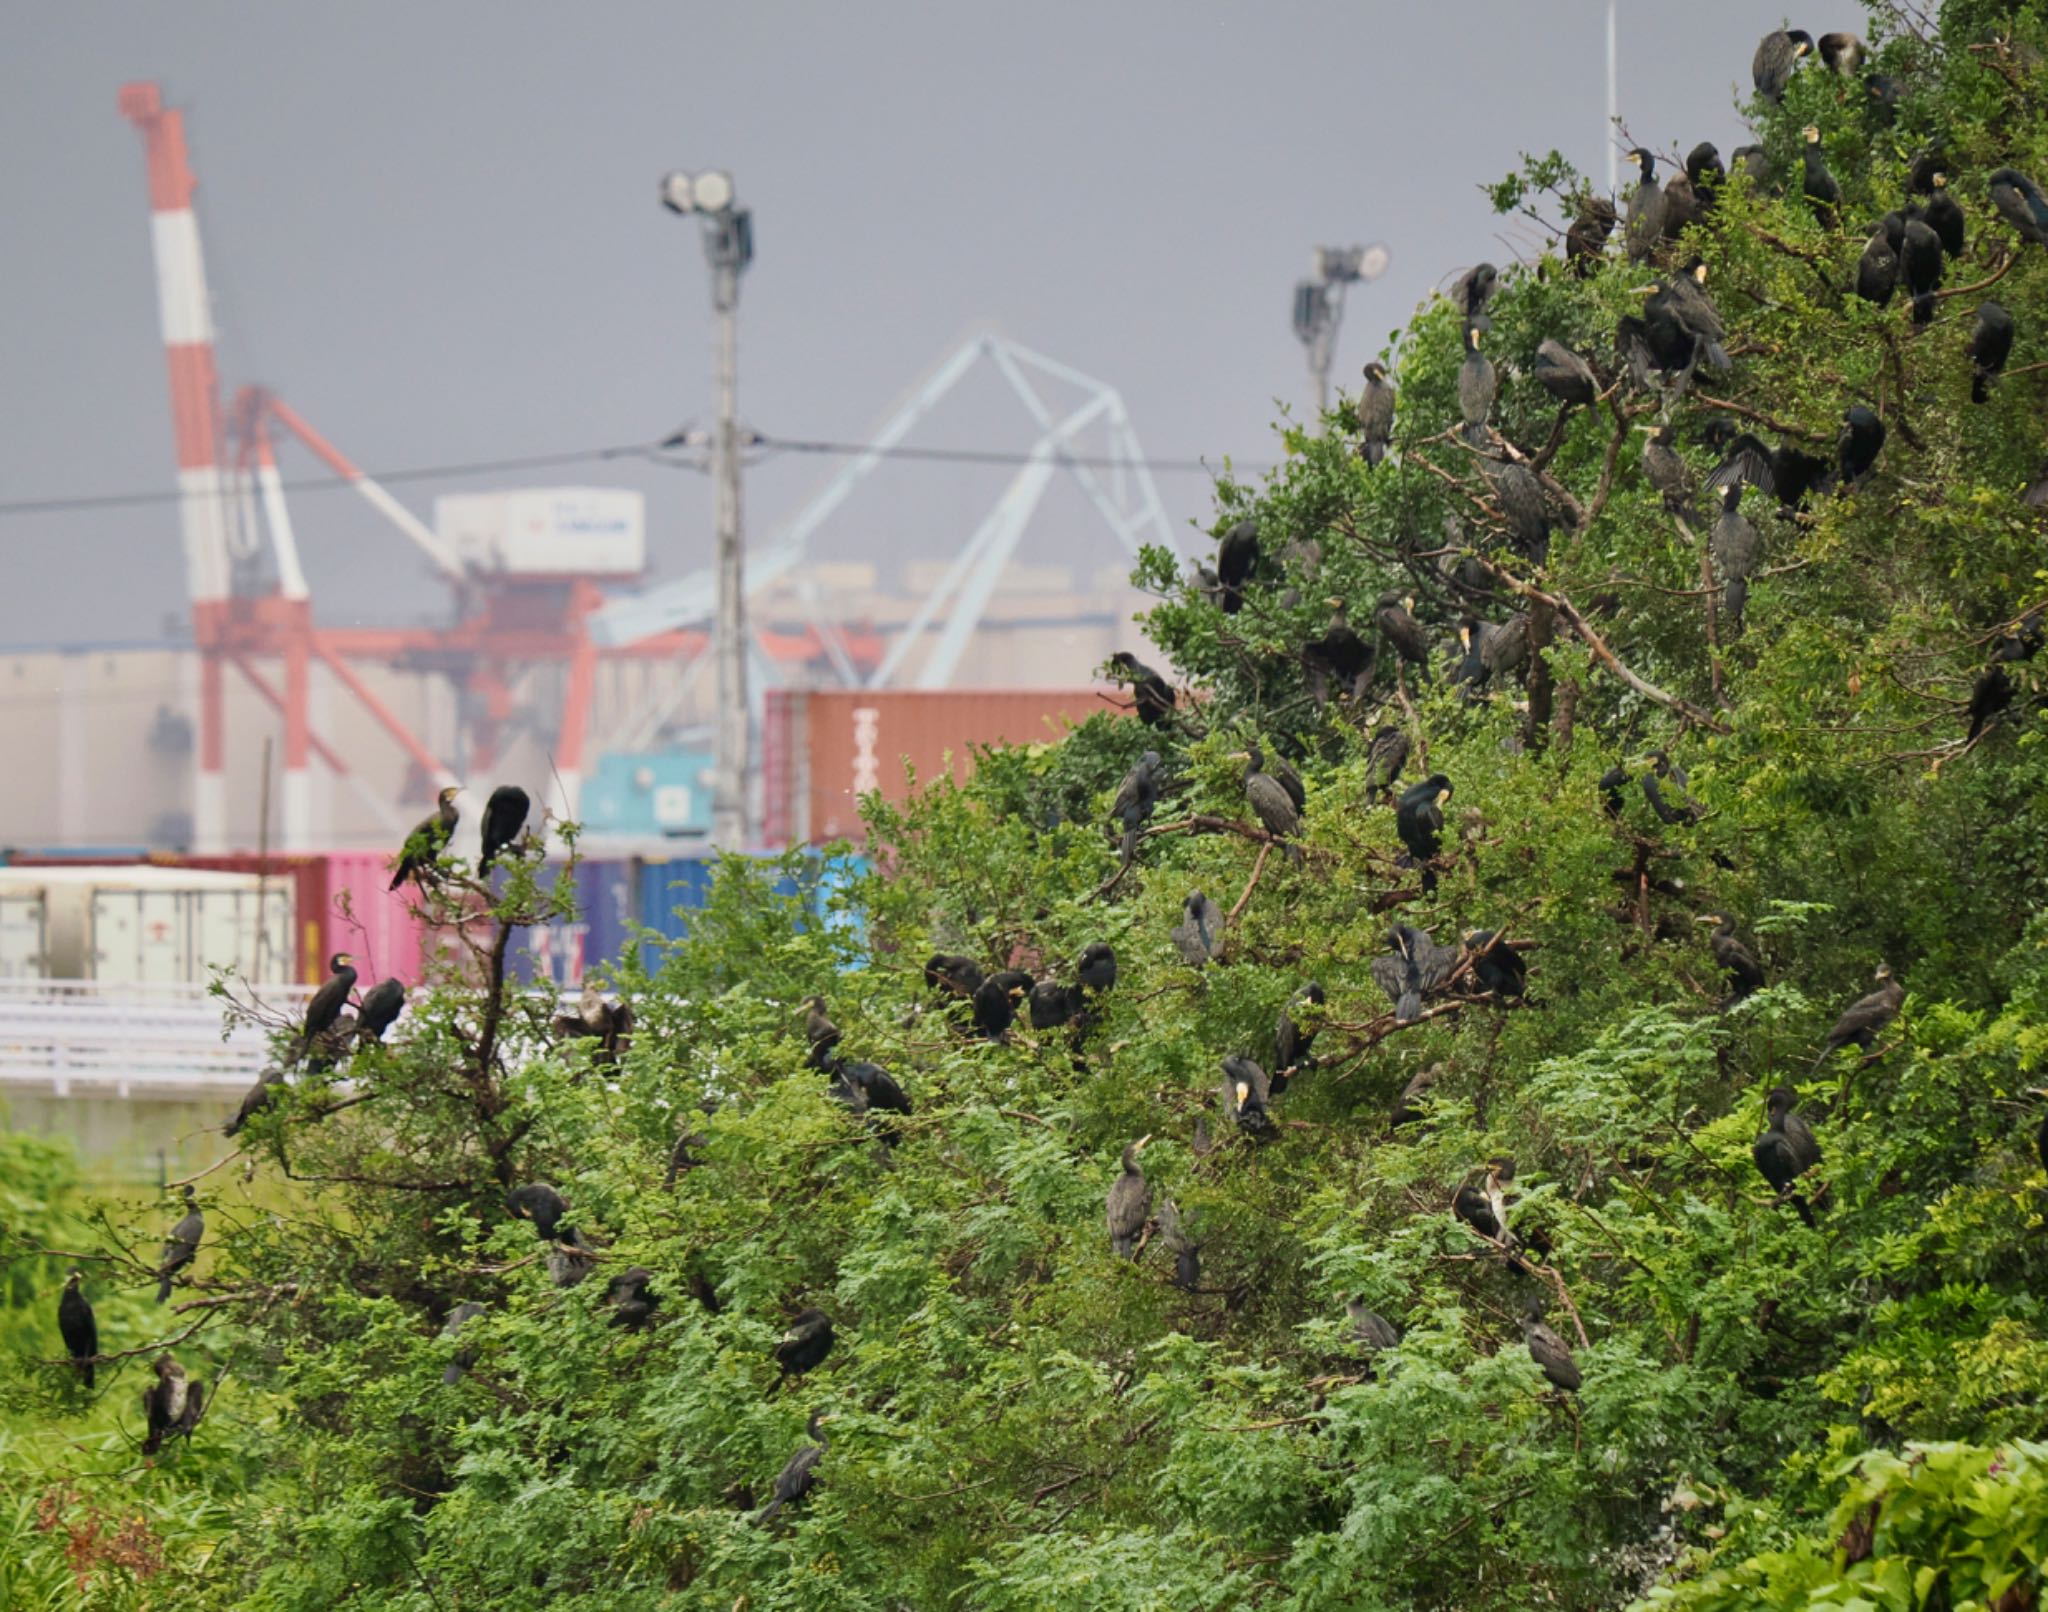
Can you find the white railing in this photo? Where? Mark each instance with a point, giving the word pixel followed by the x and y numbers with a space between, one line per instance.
pixel 82 1037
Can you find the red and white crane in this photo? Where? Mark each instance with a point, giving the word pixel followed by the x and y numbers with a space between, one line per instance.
pixel 519 607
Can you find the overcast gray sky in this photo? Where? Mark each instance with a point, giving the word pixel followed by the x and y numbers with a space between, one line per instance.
pixel 433 229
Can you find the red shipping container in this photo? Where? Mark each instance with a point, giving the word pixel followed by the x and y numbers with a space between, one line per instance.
pixel 825 748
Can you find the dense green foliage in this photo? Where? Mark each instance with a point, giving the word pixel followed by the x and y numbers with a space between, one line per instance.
pixel 1771 1414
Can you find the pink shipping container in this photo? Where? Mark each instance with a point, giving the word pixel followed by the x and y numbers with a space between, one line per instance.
pixel 372 923
pixel 824 748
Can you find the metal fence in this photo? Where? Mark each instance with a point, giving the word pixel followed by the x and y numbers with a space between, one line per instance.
pixel 67 1037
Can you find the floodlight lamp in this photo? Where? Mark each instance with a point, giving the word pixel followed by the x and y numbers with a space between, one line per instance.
pixel 713 191
pixel 675 192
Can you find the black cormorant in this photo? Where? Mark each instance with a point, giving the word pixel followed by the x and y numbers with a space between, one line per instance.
pixel 1341 653
pixel 1474 288
pixel 1291 1040
pixel 1733 544
pixel 1646 209
pixel 1471 1205
pixel 1565 375
pixel 1097 968
pixel 1237 558
pixel 170 1405
pixel 182 1246
pixel 1990 346
pixel 1372 1331
pixel 424 845
pixel 1386 756
pixel 1550 1351
pixel 1612 782
pixel 79 1326
pixel 1403 631
pixel 1408 1106
pixel 379 1008
pixel 1135 798
pixel 1877 270
pixel 1415 968
pixel 995 1003
pixel 1270 803
pixel 879 1092
pixel 1703 167
pixel 1419 820
pixel 504 816
pixel 1755 162
pixel 1745 974
pixel 800 1475
pixel 1778 1156
pixel 1187 1253
pixel 1920 267
pixel 1785 472
pixel 1989 696
pixel 1051 1004
pixel 1130 1203
pixel 1375 411
pixel 465 1355
pixel 1664 787
pixel 1861 441
pixel 1152 694
pixel 1776 59
pixel 1522 503
pixel 807 1342
pixel 1842 52
pixel 632 1298
pixel 1863 1021
pixel 1199 934
pixel 569 1258
pixel 1497 966
pixel 1246 1093
pixel 329 1000
pixel 540 1203
pixel 1944 216
pixel 821 1035
pixel 1585 239
pixel 1664 469
pixel 1822 191
pixel 1476 381
pixel 2020 203
pixel 254 1100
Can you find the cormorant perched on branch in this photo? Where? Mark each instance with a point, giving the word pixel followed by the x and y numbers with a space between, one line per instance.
pixel 879 1091
pixel 1246 1093
pixel 1052 1004
pixel 1292 1043
pixel 1777 58
pixel 254 1100
pixel 1664 469
pixel 1152 693
pixel 607 1021
pixel 170 1405
pixel 1565 375
pixel 1270 803
pixel 182 1246
pixel 379 1009
pixel 632 1298
pixel 329 1000
pixel 1823 191
pixel 504 816
pixel 1130 1203
pixel 1408 1106
pixel 1704 168
pixel 1549 1350
pixel 79 1326
pixel 820 1034
pixel 1877 270
pixel 1419 819
pixel 1945 217
pixel 1787 473
pixel 1585 239
pixel 1989 696
pixel 1097 968
pixel 1375 411
pixel 1920 266
pixel 1862 1022
pixel 1677 806
pixel 1386 756
pixel 464 1357
pixel 800 1476
pixel 805 1345
pixel 1340 653
pixel 2020 203
pixel 424 845
pixel 1520 494
pixel 1781 1155
pixel 1476 381
pixel 1187 1253
pixel 1733 544
pixel 1646 208
pixel 1861 441
pixel 569 1259
pixel 540 1203
pixel 1416 968
pixel 1842 52
pixel 1403 631
pixel 1474 289
pixel 1990 346
pixel 1745 975
pixel 1497 966
pixel 961 976
pixel 1471 1205
pixel 995 1003
pixel 1135 798
pixel 1237 558
pixel 1373 1331
pixel 1199 934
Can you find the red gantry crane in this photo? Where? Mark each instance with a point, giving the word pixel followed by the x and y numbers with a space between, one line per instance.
pixel 521 564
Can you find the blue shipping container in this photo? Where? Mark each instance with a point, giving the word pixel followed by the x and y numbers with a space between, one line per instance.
pixel 561 953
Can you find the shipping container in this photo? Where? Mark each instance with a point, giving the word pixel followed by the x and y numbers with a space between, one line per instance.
pixel 361 915
pixel 142 924
pixel 22 941
pixel 649 794
pixel 607 903
pixel 547 531
pixel 825 748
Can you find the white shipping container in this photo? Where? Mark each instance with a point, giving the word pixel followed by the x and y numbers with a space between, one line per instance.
pixel 548 531
pixel 21 935
pixel 144 924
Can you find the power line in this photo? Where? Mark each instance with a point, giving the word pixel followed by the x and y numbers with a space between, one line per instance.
pixel 653 452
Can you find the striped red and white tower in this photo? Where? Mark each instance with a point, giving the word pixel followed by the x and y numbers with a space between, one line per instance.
pixel 187 319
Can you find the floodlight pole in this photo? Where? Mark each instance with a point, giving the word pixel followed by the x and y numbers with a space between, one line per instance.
pixel 728 248
pixel 1319 306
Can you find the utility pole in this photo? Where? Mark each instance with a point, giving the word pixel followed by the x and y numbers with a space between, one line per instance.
pixel 1319 305
pixel 728 248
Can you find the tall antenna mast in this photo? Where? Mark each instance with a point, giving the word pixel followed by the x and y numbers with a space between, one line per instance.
pixel 1613 106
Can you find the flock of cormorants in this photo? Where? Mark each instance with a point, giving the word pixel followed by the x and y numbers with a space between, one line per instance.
pixel 1658 352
